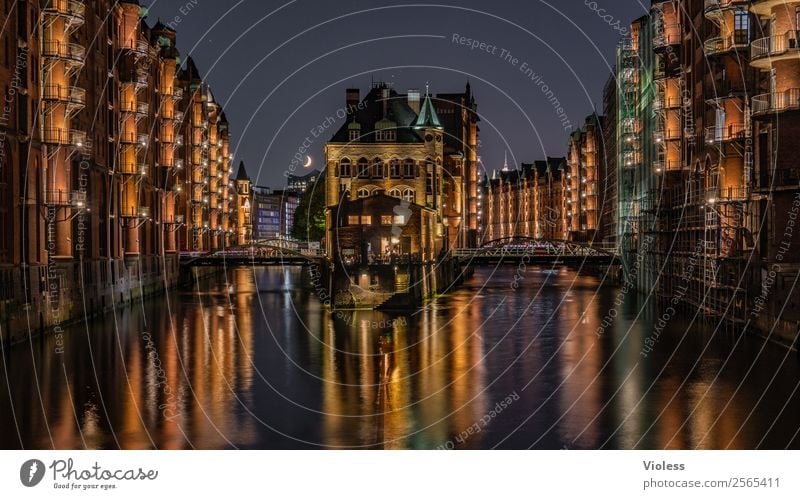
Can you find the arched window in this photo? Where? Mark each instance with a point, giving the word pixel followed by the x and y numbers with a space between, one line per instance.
pixel 363 168
pixel 377 168
pixel 363 193
pixel 344 168
pixel 394 168
pixel 409 195
pixel 408 168
pixel 396 193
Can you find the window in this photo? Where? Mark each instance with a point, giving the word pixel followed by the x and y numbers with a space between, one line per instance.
pixel 396 193
pixel 385 136
pixel 394 168
pixel 344 168
pixel 366 220
pixel 377 168
pixel 354 135
pixel 408 168
pixel 741 27
pixel 352 220
pixel 363 193
pixel 386 220
pixel 363 168
pixel 408 195
pixel 399 219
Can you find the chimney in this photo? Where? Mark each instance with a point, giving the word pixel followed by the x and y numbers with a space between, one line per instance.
pixel 353 99
pixel 413 99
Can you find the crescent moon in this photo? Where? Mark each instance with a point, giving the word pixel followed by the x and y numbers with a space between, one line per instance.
pixel 308 162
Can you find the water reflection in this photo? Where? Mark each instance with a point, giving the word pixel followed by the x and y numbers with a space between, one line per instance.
pixel 252 360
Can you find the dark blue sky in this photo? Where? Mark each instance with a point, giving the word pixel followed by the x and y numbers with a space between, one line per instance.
pixel 281 68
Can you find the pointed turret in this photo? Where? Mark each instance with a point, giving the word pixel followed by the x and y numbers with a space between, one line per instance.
pixel 241 175
pixel 427 115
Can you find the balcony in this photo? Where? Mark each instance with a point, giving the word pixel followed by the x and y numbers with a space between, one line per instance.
pixel 631 159
pixel 58 198
pixel 138 139
pixel 75 97
pixel 142 109
pixel 662 136
pixel 135 169
pixel 726 133
pixel 765 51
pixel 667 36
pixel 131 212
pixel 78 138
pixel 178 116
pixel 732 194
pixel 73 12
pixel 666 165
pixel 68 52
pixel 776 102
pixel 715 9
pixel 661 103
pixel 177 93
pixel 721 46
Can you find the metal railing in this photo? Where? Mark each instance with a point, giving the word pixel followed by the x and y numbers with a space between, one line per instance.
pixel 776 102
pixel 719 45
pixel 132 169
pixel 726 133
pixel 63 93
pixel 667 35
pixel 775 45
pixel 67 51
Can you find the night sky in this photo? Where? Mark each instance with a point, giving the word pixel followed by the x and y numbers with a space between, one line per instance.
pixel 280 69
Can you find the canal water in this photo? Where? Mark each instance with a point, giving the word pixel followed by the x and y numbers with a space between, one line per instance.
pixel 513 359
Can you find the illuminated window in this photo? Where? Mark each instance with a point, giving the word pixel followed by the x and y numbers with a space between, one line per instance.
pixel 377 168
pixel 363 193
pixel 408 195
pixel 352 220
pixel 386 220
pixel 354 135
pixel 399 219
pixel 396 193
pixel 394 168
pixel 408 168
pixel 366 220
pixel 363 168
pixel 344 168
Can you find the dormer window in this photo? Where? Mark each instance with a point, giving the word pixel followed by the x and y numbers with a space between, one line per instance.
pixel 385 131
pixel 353 132
pixel 385 136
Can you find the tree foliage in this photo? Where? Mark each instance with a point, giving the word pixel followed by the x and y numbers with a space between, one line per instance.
pixel 309 219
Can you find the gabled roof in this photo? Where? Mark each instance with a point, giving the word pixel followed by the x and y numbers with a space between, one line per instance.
pixel 371 111
pixel 190 71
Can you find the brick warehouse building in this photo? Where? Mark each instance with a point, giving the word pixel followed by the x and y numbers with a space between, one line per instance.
pixel 559 199
pixel 707 111
pixel 115 157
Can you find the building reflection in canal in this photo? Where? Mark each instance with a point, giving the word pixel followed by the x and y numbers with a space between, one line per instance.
pixel 253 360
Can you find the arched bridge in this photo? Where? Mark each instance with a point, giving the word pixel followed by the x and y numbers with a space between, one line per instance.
pixel 262 252
pixel 543 251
